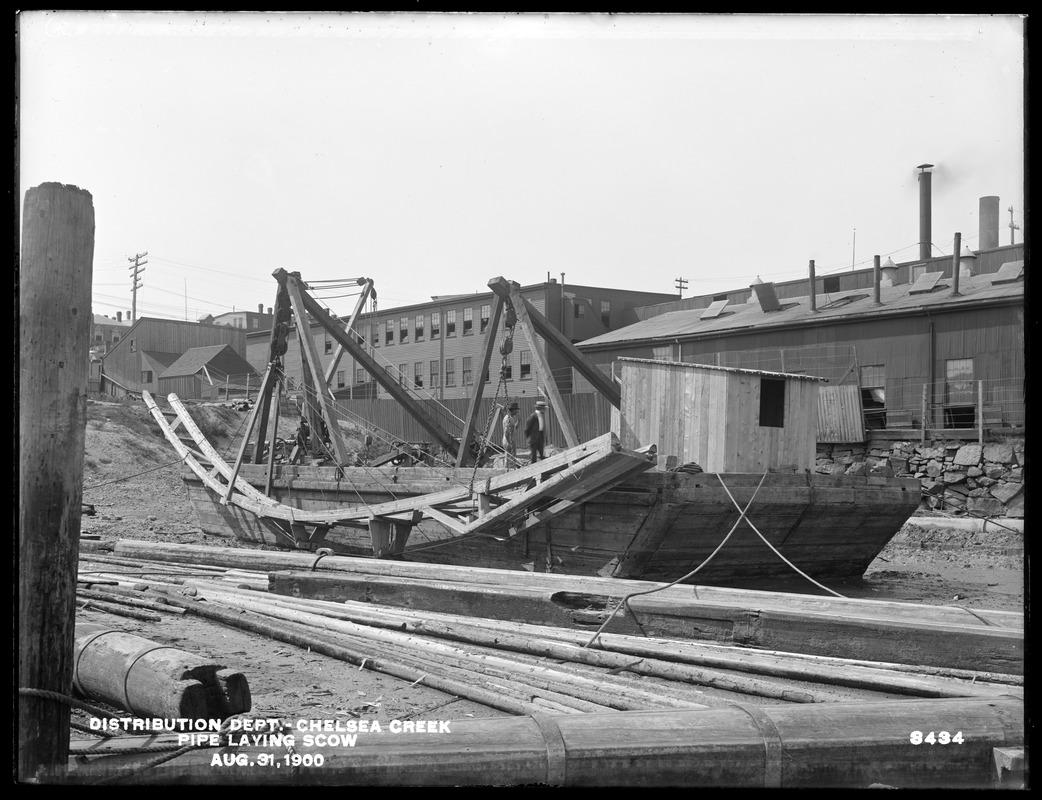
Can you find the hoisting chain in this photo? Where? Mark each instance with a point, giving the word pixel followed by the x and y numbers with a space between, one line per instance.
pixel 505 349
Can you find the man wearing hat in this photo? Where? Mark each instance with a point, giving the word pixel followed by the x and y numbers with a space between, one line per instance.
pixel 509 426
pixel 535 430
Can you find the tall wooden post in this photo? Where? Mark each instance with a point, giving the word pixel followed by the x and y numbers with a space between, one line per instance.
pixel 57 259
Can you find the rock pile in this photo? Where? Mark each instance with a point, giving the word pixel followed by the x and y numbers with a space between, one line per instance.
pixel 985 480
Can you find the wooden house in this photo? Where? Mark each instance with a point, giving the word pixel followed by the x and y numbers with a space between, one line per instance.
pixel 208 373
pixel 721 418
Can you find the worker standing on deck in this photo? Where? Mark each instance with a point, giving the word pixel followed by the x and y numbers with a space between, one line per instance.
pixel 535 430
pixel 509 426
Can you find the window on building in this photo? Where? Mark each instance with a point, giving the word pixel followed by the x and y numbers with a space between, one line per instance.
pixel 830 284
pixel 450 372
pixel 403 330
pixel 341 378
pixel 360 337
pixel 328 344
pixel 146 376
pixel 359 375
pixel 254 322
pixel 450 324
pixel 918 271
pixel 374 331
pixel 772 403
pixel 580 309
pixel 873 395
pixel 389 337
pixel 526 365
pixel 486 314
pixel 99 337
pixel 468 321
pixel 508 368
pixel 959 401
pixel 488 377
pixel 133 345
pixel 417 374
pixel 606 313
pixel 435 324
pixel 418 333
pixel 468 376
pixel 402 373
pixel 435 374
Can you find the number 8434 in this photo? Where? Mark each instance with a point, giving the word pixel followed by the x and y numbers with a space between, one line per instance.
pixel 939 737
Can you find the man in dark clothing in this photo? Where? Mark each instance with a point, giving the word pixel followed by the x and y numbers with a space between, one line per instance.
pixel 535 430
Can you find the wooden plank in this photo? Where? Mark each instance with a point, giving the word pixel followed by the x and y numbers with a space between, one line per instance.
pixel 479 386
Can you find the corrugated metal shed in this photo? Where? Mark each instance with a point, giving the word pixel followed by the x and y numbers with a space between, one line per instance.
pixel 840 416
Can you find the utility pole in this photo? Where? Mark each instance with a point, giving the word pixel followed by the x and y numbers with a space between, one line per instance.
pixel 137 266
pixel 1012 226
pixel 681 284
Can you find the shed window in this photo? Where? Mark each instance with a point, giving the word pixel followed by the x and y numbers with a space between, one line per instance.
pixel 146 376
pixel 772 403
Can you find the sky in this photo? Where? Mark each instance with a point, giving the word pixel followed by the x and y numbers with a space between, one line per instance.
pixel 433 152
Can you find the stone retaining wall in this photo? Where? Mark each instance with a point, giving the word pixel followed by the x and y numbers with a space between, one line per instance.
pixel 986 480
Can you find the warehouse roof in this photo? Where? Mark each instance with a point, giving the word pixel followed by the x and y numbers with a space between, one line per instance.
pixel 843 306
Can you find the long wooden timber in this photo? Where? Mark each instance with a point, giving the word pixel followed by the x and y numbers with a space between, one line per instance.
pixel 575 584
pixel 838 632
pixel 833 745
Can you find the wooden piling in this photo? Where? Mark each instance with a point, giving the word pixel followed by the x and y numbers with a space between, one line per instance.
pixel 57 255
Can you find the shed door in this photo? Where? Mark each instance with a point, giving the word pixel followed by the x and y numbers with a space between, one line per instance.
pixel 839 414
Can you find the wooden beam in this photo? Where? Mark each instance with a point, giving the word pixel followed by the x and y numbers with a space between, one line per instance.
pixel 314 380
pixel 442 437
pixel 542 367
pixel 281 311
pixel 54 297
pixel 601 382
pixel 367 290
pixel 266 381
pixel 463 456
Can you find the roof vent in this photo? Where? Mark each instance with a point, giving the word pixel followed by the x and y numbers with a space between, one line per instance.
pixel 889 273
pixel 966 259
pixel 715 309
pixel 1009 272
pixel 768 298
pixel 927 282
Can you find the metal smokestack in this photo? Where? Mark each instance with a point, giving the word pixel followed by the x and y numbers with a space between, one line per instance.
pixel 989 223
pixel 925 223
pixel 877 277
pixel 811 288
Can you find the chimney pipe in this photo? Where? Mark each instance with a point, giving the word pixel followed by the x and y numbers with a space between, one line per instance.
pixel 988 219
pixel 877 273
pixel 925 223
pixel 955 264
pixel 269 309
pixel 813 289
pixel 119 316
pixel 260 308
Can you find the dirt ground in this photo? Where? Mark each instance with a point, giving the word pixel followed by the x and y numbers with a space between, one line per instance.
pixel 131 481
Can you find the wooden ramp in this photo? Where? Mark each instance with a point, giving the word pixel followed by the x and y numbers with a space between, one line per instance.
pixel 510 502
